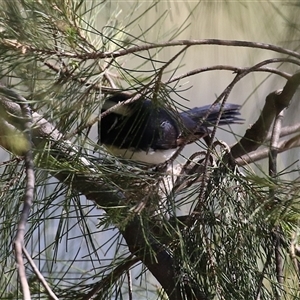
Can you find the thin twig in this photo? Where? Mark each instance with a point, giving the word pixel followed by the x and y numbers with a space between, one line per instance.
pixel 287 130
pixel 223 97
pixel 219 42
pixel 160 73
pixel 114 89
pixel 130 296
pixel 29 189
pixel 39 275
pixel 67 74
pixel 273 174
pixel 283 146
pixel 239 70
pixel 294 254
pixel 16 45
pixel 260 154
pixel 112 277
pixel 262 274
pixel 274 146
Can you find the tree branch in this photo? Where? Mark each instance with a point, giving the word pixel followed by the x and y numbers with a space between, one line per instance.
pixel 89 181
pixel 29 189
pixel 114 54
pixel 273 174
pixel 257 134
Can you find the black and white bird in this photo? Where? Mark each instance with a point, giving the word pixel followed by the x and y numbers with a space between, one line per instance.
pixel 145 132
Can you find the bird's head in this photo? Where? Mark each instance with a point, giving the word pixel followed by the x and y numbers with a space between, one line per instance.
pixel 117 101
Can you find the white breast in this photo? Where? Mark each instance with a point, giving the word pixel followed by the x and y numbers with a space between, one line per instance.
pixel 150 157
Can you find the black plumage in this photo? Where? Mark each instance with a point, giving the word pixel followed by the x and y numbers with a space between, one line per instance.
pixel 142 127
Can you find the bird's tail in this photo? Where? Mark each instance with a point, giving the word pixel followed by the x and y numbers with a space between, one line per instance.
pixel 230 114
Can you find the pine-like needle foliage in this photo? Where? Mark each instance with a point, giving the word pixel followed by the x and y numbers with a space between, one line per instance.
pixel 99 224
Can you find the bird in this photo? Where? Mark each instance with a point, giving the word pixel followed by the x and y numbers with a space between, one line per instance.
pixel 146 132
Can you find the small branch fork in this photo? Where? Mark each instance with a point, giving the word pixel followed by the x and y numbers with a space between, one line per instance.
pixel 257 134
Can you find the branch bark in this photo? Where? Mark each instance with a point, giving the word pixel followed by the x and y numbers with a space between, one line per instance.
pixel 15 45
pixel 29 189
pixel 256 135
